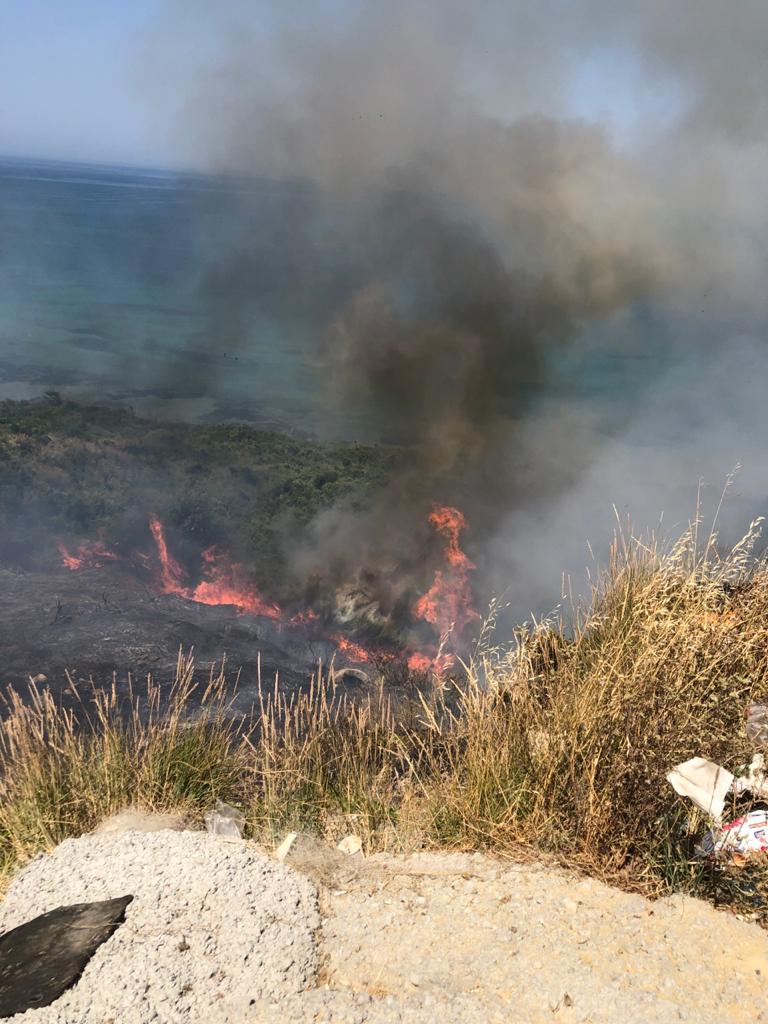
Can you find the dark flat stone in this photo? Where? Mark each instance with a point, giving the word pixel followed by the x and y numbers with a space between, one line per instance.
pixel 42 958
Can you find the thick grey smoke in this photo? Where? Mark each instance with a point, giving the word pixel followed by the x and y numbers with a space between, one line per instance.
pixel 476 228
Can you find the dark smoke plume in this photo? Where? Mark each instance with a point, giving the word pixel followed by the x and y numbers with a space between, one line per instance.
pixel 472 228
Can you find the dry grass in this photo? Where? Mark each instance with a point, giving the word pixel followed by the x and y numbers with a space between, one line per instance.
pixel 555 743
pixel 64 768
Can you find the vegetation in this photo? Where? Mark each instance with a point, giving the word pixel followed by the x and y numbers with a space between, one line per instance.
pixel 70 471
pixel 555 744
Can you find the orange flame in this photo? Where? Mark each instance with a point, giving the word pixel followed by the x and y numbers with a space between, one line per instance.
pixel 438 664
pixel 304 618
pixel 88 555
pixel 418 662
pixel 352 650
pixel 447 604
pixel 171 573
pixel 225 582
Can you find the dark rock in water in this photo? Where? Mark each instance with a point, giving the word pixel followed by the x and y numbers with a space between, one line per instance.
pixel 42 958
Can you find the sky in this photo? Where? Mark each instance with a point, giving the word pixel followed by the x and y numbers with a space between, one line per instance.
pixel 81 80
pixel 68 85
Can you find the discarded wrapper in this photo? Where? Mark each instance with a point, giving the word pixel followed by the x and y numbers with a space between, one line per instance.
pixel 350 845
pixel 739 839
pixel 703 782
pixel 753 778
pixel 285 847
pixel 757 725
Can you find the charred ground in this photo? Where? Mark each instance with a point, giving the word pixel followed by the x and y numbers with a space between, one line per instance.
pixel 71 472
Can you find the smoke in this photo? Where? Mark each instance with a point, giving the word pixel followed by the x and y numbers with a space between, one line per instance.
pixel 462 229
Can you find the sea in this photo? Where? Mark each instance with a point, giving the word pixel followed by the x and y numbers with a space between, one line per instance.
pixel 106 281
pixel 102 273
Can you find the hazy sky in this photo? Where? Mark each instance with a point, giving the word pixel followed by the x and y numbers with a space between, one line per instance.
pixel 67 83
pixel 81 79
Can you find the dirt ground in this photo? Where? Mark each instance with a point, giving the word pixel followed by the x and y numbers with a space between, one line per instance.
pixel 465 938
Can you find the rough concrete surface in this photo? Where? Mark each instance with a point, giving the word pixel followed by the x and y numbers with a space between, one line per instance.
pixel 213 926
pixel 428 938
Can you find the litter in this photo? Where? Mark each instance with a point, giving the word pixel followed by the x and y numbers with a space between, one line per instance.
pixel 757 724
pixel 42 958
pixel 739 839
pixel 285 847
pixel 225 821
pixel 350 845
pixel 707 785
pixel 754 779
pixel 703 782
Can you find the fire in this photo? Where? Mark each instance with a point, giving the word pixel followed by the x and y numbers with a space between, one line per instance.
pixel 304 618
pixel 88 555
pixel 418 662
pixel 447 605
pixel 171 573
pixel 223 583
pixel 437 665
pixel 353 651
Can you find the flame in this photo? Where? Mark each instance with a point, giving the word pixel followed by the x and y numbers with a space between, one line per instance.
pixel 437 664
pixel 447 605
pixel 224 582
pixel 171 573
pixel 352 650
pixel 88 555
pixel 304 618
pixel 418 662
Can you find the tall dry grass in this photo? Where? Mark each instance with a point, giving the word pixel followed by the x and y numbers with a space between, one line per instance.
pixel 66 764
pixel 556 742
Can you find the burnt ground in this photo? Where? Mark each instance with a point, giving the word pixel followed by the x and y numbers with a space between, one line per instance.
pixel 72 473
pixel 102 621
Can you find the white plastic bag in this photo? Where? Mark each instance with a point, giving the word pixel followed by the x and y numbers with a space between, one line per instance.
pixel 703 782
pixel 225 821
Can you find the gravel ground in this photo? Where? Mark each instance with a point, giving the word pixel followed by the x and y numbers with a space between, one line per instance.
pixel 214 925
pixel 457 939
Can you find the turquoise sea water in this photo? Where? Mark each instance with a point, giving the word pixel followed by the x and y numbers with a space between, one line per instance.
pixel 100 296
pixel 107 291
